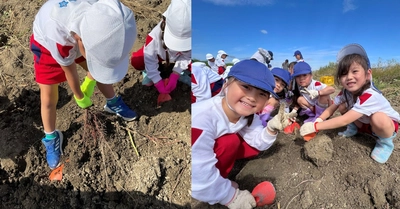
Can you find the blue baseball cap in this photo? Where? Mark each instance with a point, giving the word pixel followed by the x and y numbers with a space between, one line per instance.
pixel 352 49
pixel 297 52
pixel 255 74
pixel 282 74
pixel 301 68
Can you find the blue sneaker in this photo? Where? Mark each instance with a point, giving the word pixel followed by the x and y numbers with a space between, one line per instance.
pixel 121 109
pixel 53 150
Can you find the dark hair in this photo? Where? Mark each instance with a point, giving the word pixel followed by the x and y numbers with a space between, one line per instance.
pixel 343 69
pixel 292 64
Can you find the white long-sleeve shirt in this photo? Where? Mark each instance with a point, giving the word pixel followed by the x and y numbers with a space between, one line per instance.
pixel 209 122
pixel 202 78
pixel 154 51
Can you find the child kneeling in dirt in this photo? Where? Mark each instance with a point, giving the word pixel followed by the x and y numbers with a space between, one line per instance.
pixel 368 110
pixel 312 96
pixel 282 80
pixel 167 51
pixel 83 32
pixel 225 128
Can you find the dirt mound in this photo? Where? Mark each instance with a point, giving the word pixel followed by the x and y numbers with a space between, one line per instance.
pixel 102 168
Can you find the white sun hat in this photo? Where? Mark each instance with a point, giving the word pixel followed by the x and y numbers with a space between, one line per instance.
pixel 178 27
pixel 235 60
pixel 209 56
pixel 108 32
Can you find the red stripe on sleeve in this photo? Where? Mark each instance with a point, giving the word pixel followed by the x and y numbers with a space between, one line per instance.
pixel 196 134
pixel 63 50
pixel 364 97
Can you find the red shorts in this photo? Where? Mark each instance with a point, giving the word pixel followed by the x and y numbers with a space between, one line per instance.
pixel 137 59
pixel 47 70
pixel 366 128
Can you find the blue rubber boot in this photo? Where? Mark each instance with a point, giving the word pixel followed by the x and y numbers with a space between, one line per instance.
pixel 383 149
pixel 350 131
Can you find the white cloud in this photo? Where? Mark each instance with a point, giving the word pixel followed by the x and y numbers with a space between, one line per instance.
pixel 348 5
pixel 240 2
pixel 264 31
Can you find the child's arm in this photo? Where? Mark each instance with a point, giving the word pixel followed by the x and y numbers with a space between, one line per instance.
pixel 73 80
pixel 343 120
pixel 328 112
pixel 326 91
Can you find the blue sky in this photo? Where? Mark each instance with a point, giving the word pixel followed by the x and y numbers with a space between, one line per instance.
pixel 319 29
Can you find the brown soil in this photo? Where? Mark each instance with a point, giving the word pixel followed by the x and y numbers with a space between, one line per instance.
pixel 328 172
pixel 102 169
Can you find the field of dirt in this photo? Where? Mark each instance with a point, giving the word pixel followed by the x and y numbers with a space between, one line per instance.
pixel 101 168
pixel 328 172
pixel 104 170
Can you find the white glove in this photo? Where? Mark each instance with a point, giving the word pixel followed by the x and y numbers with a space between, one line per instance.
pixel 307 128
pixel 281 120
pixel 318 120
pixel 313 93
pixel 242 200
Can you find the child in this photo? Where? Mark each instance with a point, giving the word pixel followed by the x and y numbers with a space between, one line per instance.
pixel 263 56
pixel 211 63
pixel 225 128
pixel 310 95
pixel 205 82
pixel 67 30
pixel 298 56
pixel 367 109
pixel 282 79
pixel 168 42
pixel 220 61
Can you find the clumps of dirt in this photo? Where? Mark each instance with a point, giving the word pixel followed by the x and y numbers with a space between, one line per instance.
pixel 319 150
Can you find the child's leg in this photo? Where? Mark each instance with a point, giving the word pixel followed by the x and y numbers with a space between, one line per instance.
pixel 386 130
pixel 53 138
pixel 48 103
pixel 306 109
pixel 228 149
pixel 115 104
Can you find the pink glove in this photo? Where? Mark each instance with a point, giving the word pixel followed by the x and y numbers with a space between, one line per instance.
pixel 162 89
pixel 173 80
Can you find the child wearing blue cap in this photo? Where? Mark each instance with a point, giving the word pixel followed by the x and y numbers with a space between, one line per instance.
pixel 366 109
pixel 312 96
pixel 225 128
pixel 282 79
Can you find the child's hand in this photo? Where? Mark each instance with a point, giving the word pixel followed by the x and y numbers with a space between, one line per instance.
pixel 242 200
pixel 308 128
pixel 313 93
pixel 281 120
pixel 173 80
pixel 162 89
pixel 85 102
pixel 87 86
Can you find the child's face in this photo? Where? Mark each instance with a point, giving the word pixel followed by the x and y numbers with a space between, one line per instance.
pixel 279 85
pixel 244 98
pixel 304 80
pixel 355 78
pixel 224 56
pixel 291 70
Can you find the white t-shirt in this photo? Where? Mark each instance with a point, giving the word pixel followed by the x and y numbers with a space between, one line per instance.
pixel 210 122
pixel 368 103
pixel 314 85
pixel 202 78
pixel 52 30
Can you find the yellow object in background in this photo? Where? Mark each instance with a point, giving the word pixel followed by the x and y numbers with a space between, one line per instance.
pixel 328 80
